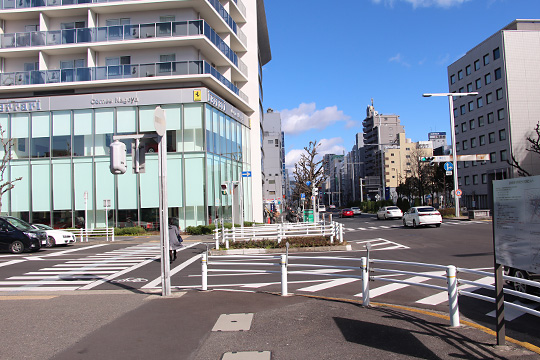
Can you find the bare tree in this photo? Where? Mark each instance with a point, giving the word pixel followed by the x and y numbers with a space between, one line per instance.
pixel 307 169
pixel 534 147
pixel 5 185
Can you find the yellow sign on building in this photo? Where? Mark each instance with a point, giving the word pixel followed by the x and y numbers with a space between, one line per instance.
pixel 197 95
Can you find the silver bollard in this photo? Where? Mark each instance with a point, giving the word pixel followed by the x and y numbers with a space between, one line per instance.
pixel 283 263
pixel 365 281
pixel 451 278
pixel 216 238
pixel 204 266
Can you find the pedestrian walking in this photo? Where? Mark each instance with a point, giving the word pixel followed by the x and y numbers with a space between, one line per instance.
pixel 175 240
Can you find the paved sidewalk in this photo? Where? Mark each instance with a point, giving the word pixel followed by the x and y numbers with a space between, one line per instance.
pixel 123 325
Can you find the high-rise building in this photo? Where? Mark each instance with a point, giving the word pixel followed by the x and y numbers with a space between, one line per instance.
pixel 76 73
pixel 438 139
pixel 273 159
pixel 505 71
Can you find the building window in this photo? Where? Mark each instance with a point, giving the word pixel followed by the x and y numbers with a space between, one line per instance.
pixel 477 65
pixel 484 178
pixel 500 114
pixel 478 83
pixel 487 79
pixel 503 155
pixel 455 112
pixel 486 59
pixel 461 89
pixel 474 163
pixel 471 124
pixel 498 73
pixel 499 94
pixel 460 74
pixel 458 146
pixel 490 118
pixel 471 105
pixel 463 127
pixel 475 179
pixel 482 139
pixel 462 109
pixel 489 98
pixel 467 180
pixel 493 157
pixel 452 79
pixel 491 137
pixel 479 102
pixel 465 164
pixel 456 129
pixel 459 180
pixel 468 70
pixel 473 143
pixel 480 121
pixel 270 142
pixel 502 134
pixel 469 87
pixel 271 181
pixel 496 54
pixel 465 144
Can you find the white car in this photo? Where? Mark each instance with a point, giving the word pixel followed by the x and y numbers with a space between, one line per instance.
pixel 389 212
pixel 356 210
pixel 322 208
pixel 422 215
pixel 55 237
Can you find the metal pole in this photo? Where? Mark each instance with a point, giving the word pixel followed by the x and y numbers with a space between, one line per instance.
pixel 361 190
pixel 204 266
pixel 163 216
pixel 86 214
pixel 365 281
pixel 454 153
pixel 283 263
pixel 451 279
pixel 107 221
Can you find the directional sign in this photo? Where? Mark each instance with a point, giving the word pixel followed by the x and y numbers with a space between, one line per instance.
pixel 246 173
pixel 302 196
pixel 448 166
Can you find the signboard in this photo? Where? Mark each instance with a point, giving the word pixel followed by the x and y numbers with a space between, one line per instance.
pixel 246 173
pixel 458 192
pixel 473 157
pixel 448 166
pixel 308 183
pixel 197 95
pixel 448 173
pixel 516 223
pixel 302 196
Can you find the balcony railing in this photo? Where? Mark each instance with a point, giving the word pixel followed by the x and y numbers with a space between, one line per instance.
pixel 111 72
pixel 22 4
pixel 121 33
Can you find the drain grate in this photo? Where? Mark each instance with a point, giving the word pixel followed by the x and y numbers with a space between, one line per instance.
pixel 233 322
pixel 247 355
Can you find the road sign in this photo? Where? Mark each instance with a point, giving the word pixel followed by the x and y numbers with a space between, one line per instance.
pixel 308 183
pixel 448 173
pixel 448 166
pixel 246 173
pixel 160 124
pixel 458 192
pixel 312 197
pixel 302 196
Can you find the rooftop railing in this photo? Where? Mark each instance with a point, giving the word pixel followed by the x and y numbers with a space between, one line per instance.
pixel 111 72
pixel 121 33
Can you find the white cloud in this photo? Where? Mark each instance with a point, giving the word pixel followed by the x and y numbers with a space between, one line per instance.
pixel 326 146
pixel 399 59
pixel 423 3
pixel 306 117
pixel 443 60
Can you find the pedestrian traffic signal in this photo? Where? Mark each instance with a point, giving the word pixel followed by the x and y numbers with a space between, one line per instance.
pixel 224 188
pixel 426 158
pixel 315 191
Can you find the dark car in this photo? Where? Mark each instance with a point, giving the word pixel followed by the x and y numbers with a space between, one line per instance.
pixel 346 213
pixel 17 235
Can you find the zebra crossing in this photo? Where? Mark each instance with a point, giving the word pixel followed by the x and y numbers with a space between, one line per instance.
pixel 379 244
pixel 399 225
pixel 82 273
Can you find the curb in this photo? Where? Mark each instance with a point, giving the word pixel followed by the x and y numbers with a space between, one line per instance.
pixel 281 250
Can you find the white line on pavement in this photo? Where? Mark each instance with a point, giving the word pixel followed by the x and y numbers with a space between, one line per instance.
pixel 441 297
pixel 327 285
pixel 7 263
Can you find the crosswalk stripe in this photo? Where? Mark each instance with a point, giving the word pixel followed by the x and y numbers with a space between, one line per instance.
pixel 442 296
pixel 511 313
pixel 327 285
pixel 37 288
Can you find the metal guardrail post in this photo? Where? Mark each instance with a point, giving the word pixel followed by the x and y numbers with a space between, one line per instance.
pixel 451 279
pixel 81 235
pixel 365 281
pixel 216 238
pixel 112 231
pixel 204 266
pixel 283 263
pixel 340 233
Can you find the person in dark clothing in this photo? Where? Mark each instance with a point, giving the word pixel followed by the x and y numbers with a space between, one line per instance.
pixel 175 240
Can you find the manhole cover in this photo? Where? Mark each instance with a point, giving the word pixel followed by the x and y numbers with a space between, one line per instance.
pixel 247 355
pixel 233 322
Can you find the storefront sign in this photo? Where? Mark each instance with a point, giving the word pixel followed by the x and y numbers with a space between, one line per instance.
pixel 116 100
pixel 20 106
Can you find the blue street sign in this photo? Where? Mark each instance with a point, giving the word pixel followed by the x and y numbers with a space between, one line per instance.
pixel 246 173
pixel 308 183
pixel 302 196
pixel 448 166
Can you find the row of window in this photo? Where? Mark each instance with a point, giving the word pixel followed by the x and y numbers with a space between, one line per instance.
pixel 479 102
pixel 478 82
pixel 481 140
pixel 480 121
pixel 468 68
pixel 474 180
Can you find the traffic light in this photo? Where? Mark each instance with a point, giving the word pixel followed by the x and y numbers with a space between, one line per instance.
pixel 118 164
pixel 224 188
pixel 315 191
pixel 426 158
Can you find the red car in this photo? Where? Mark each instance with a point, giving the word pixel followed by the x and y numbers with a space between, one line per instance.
pixel 346 213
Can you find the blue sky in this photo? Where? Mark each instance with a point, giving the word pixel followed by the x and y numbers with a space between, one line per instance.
pixel 329 58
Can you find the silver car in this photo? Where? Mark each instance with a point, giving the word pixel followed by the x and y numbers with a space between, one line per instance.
pixel 422 215
pixel 356 211
pixel 389 212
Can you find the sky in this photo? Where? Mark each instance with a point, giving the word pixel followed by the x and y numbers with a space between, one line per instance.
pixel 330 58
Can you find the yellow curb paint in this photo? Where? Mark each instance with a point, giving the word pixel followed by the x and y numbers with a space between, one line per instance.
pixel 27 297
pixel 488 331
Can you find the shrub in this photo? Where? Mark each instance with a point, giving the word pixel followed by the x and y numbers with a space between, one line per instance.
pixel 448 212
pixel 126 231
pixel 294 242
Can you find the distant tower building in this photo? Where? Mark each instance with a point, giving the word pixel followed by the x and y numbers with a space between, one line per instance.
pixel 273 159
pixel 437 138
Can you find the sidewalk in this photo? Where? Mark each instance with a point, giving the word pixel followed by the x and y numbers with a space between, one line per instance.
pixel 123 325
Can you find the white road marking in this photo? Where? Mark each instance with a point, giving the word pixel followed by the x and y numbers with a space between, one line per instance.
pixel 441 297
pixel 52 288
pixel 7 263
pixel 157 281
pixel 511 313
pixel 327 285
pixel 60 253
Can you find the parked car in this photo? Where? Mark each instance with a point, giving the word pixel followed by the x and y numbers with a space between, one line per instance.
pixel 356 211
pixel 346 213
pixel 389 212
pixel 17 235
pixel 55 237
pixel 331 206
pixel 422 215
pixel 322 208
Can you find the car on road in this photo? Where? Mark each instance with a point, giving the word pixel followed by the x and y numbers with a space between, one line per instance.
pixel 55 237
pixel 322 208
pixel 346 213
pixel 356 211
pixel 17 235
pixel 389 212
pixel 422 215
pixel 332 207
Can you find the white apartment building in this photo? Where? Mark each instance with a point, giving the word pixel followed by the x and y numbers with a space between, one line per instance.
pixel 505 71
pixel 74 73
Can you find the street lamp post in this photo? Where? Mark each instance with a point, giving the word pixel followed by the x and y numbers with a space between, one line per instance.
pixel 453 133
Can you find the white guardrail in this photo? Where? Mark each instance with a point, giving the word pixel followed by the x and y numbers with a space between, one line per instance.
pixel 445 274
pixel 278 232
pixel 94 233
